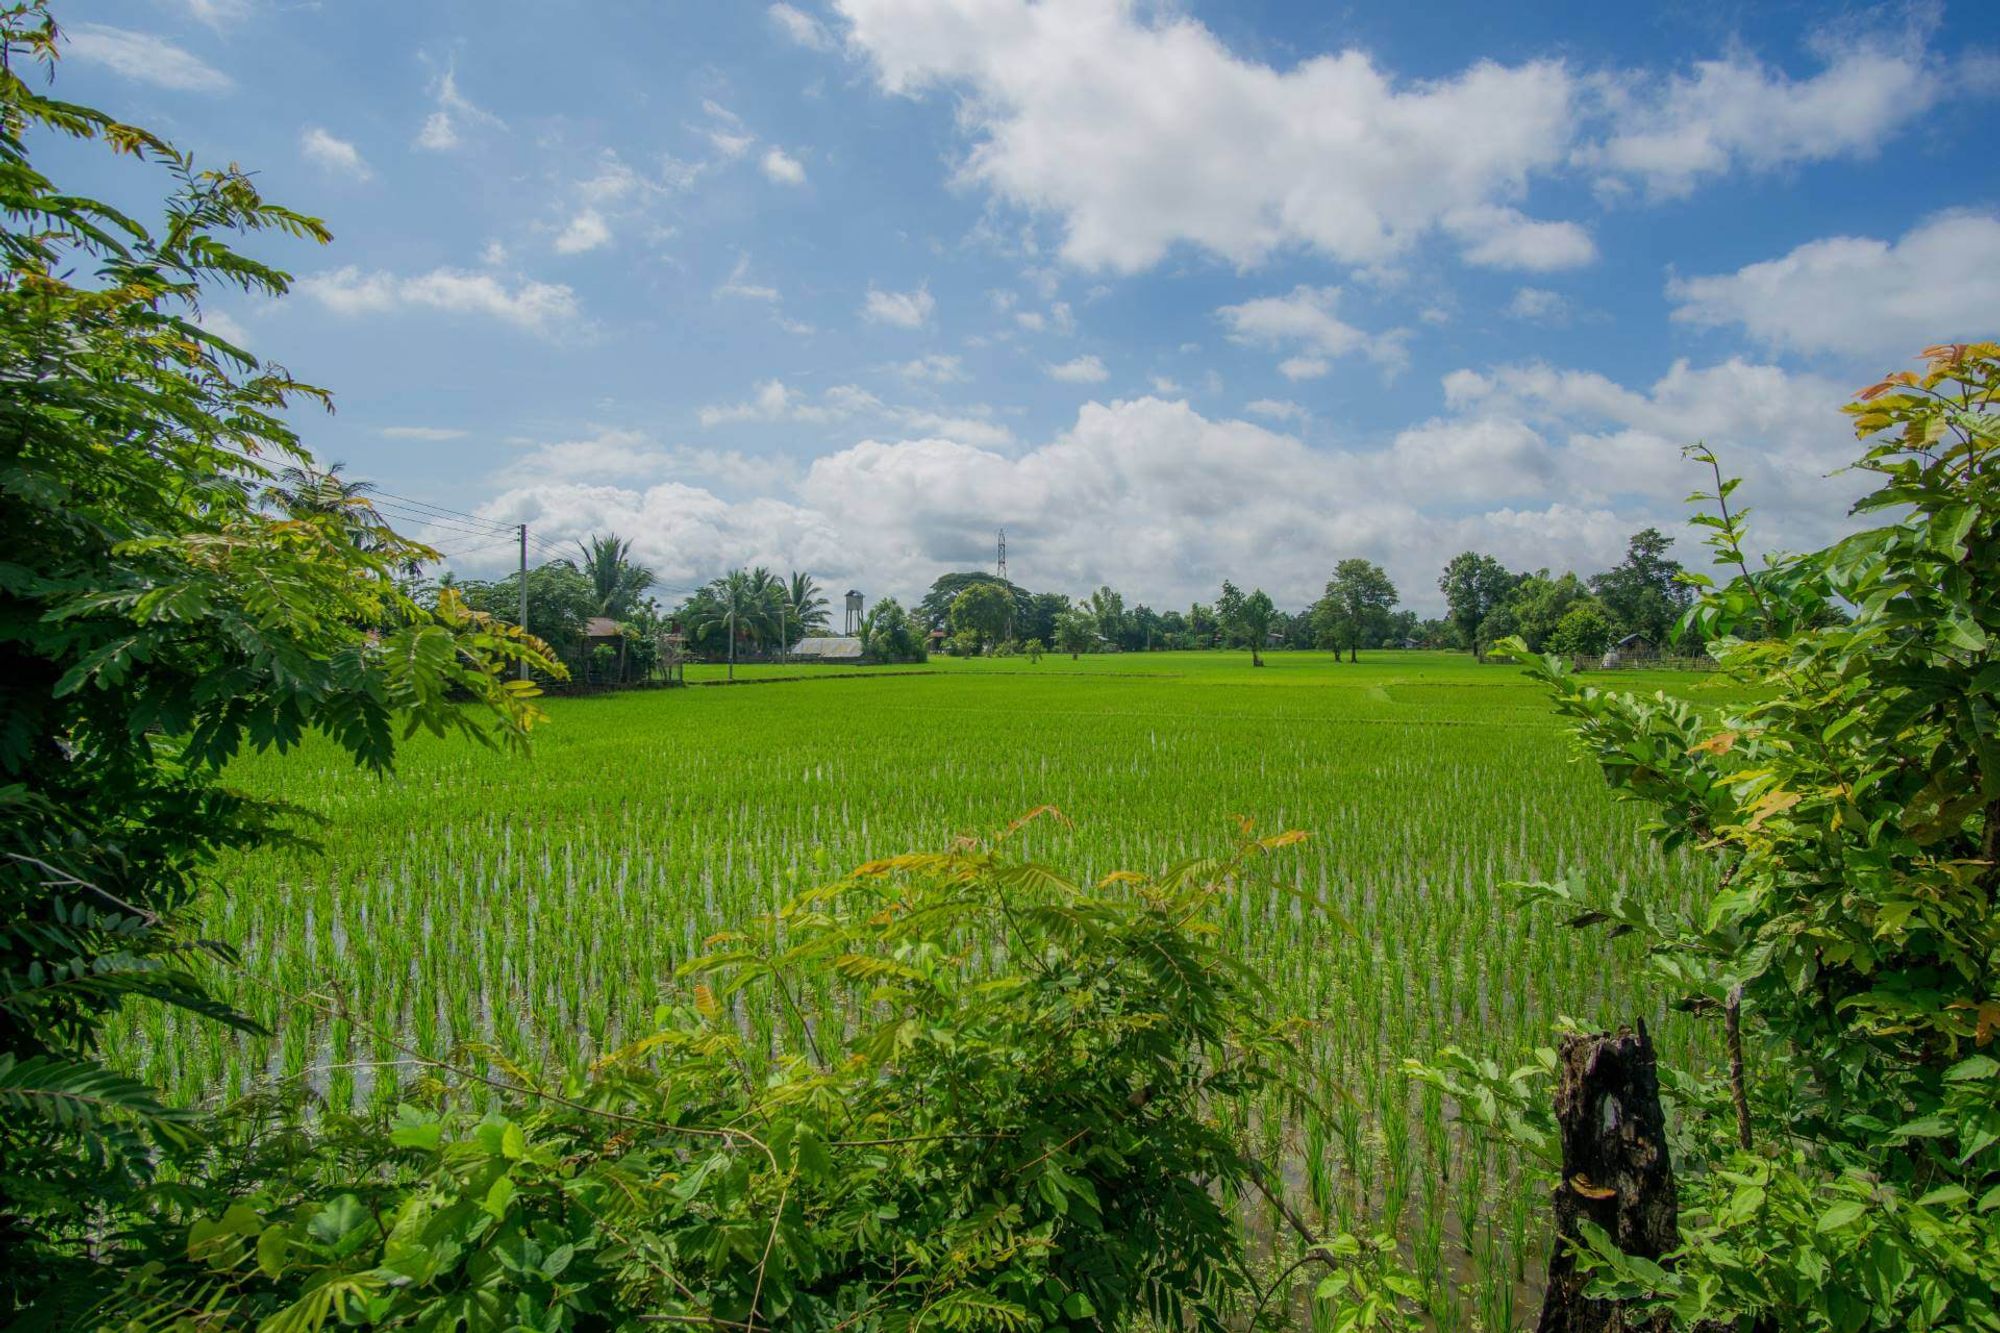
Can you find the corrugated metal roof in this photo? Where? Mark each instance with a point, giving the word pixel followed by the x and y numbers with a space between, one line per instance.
pixel 828 645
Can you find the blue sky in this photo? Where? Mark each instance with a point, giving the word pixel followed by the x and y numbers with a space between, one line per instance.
pixel 1172 291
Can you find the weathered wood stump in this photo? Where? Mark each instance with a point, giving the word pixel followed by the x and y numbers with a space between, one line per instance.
pixel 1615 1172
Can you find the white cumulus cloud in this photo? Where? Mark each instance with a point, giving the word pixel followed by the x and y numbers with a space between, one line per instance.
pixel 1504 238
pixel 1141 130
pixel 332 153
pixel 586 231
pixel 1539 465
pixel 1672 132
pixel 1086 369
pixel 1859 297
pixel 537 307
pixel 783 168
pixel 905 310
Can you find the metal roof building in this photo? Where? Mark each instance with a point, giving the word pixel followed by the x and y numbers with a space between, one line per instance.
pixel 828 648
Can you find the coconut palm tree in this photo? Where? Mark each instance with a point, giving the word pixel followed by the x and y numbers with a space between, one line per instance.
pixel 805 609
pixel 302 491
pixel 617 581
pixel 741 603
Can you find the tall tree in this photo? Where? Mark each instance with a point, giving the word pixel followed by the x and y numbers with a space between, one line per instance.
pixel 1473 585
pixel 1538 604
pixel 1356 605
pixel 1075 632
pixel 303 489
pixel 985 610
pixel 934 611
pixel 1643 592
pixel 805 608
pixel 1106 607
pixel 1247 619
pixel 616 581
pixel 741 605
pixel 1228 612
pixel 1201 626
pixel 1038 620
pixel 560 602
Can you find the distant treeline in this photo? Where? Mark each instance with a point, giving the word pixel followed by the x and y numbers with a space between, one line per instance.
pixel 1643 595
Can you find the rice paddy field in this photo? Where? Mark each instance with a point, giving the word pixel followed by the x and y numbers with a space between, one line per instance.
pixel 542 905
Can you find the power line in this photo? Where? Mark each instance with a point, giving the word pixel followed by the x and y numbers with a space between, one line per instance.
pixel 444 510
pixel 441 525
pixel 477 546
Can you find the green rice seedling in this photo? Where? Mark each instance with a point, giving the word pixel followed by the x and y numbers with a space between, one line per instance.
pixel 543 905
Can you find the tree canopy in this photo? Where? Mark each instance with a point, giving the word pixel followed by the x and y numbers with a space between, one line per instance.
pixel 1355 607
pixel 985 610
pixel 617 583
pixel 934 611
pixel 1474 586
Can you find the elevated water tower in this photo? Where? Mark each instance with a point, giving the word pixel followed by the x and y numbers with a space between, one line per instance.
pixel 853 612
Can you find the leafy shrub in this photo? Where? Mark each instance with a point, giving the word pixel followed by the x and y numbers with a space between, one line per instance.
pixel 1842 1171
pixel 164 604
pixel 999 1111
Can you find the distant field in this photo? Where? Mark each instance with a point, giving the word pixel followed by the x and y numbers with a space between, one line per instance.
pixel 542 905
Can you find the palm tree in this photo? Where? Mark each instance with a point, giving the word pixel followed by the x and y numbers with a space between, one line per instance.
pixel 302 491
pixel 741 602
pixel 617 581
pixel 805 608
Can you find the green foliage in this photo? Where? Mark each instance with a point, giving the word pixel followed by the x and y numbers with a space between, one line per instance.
pixel 561 601
pixel 983 610
pixel 1851 1179
pixel 1584 631
pixel 1038 618
pixel 1005 1115
pixel 934 611
pixel 1645 592
pixel 805 608
pixel 743 607
pixel 181 585
pixel 1076 632
pixel 888 635
pixel 1355 607
pixel 1538 603
pixel 1106 609
pixel 1245 619
pixel 1474 586
pixel 617 584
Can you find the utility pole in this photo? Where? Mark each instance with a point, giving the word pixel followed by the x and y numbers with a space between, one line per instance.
pixel 732 639
pixel 1008 587
pixel 524 593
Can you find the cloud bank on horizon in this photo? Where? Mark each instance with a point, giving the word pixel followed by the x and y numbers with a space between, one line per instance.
pixel 1170 292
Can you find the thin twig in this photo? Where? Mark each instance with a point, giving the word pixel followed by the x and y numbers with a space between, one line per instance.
pixel 63 877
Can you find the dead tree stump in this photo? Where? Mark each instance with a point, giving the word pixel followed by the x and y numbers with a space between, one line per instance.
pixel 1615 1172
